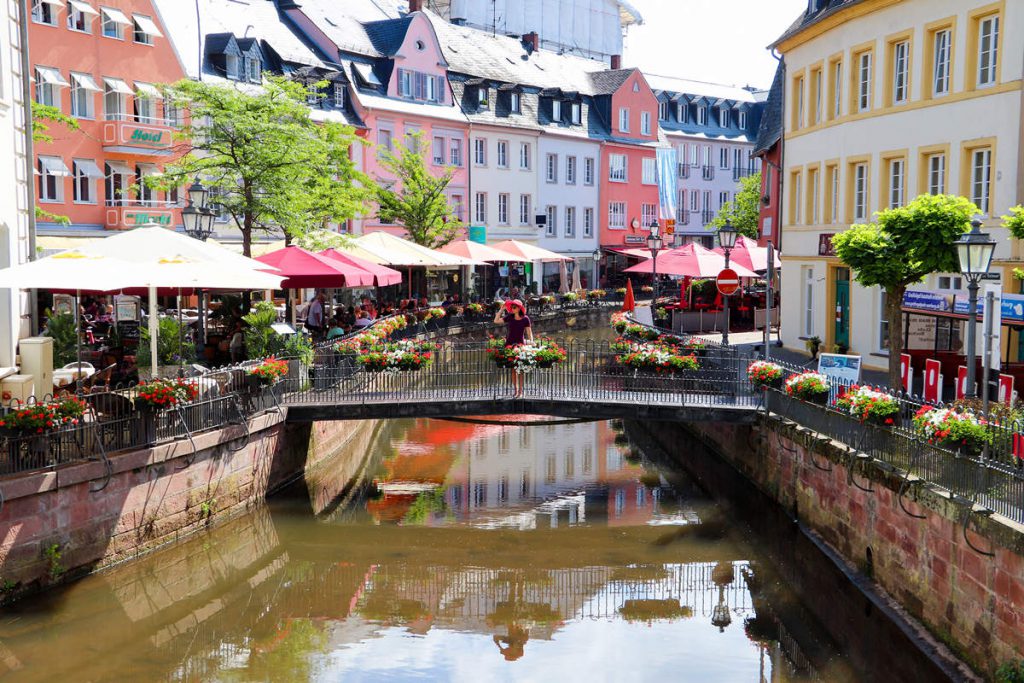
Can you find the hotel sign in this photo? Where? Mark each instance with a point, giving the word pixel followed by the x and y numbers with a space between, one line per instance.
pixel 634 239
pixel 137 135
pixel 137 217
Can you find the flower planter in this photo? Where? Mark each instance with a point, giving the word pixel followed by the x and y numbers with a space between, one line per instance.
pixel 144 427
pixel 758 387
pixel 817 398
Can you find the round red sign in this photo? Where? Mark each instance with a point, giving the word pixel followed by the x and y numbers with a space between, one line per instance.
pixel 728 282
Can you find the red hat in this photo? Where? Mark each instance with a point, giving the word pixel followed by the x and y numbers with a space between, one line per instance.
pixel 509 305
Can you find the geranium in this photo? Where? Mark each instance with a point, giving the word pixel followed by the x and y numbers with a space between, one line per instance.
pixel 953 429
pixel 165 393
pixel 597 294
pixel 269 371
pixel 475 309
pixel 619 322
pixel 869 405
pixel 657 359
pixel 640 332
pixel 540 353
pixel 808 386
pixel 395 360
pixel 763 373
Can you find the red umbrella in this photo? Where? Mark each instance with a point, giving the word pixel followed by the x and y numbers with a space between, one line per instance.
pixel 692 260
pixel 628 302
pixel 383 276
pixel 305 269
pixel 750 255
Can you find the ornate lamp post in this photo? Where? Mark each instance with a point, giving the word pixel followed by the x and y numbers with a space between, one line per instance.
pixel 975 251
pixel 597 268
pixel 727 240
pixel 198 220
pixel 654 243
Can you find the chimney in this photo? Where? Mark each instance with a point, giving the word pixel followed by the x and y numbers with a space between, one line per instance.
pixel 616 62
pixel 415 5
pixel 531 41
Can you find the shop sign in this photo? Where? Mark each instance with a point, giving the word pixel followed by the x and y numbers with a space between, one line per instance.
pixel 478 234
pixel 926 301
pixel 145 136
pixel 143 217
pixel 634 239
pixel 1011 308
pixel 825 244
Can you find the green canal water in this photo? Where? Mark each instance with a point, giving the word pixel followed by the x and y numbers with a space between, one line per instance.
pixel 532 550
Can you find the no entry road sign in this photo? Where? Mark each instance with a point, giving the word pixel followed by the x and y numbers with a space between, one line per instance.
pixel 728 282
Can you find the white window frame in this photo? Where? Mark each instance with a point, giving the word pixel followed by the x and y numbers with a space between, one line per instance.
pixel 438 149
pixel 981 179
pixel 570 170
pixel 742 116
pixel 816 84
pixel 988 51
pixel 616 215
pixel 623 119
pixel 110 17
pixel 570 222
pixel 44 13
pixel 649 171
pixel 502 153
pixel 480 207
pixel 89 95
pixel 455 152
pixel 723 117
pixel 663 111
pixel 798 198
pixel 865 65
pixel 702 116
pixel 937 173
pixel 479 152
pixel 813 192
pixel 556 110
pixel 551 228
pixel 897 182
pixel 648 214
pixel 576 113
pixel 79 21
pixel 137 31
pixel 588 221
pixel 525 209
pixel 551 168
pixel 503 201
pixel 834 189
pixel 723 199
pixel 53 183
pixel 588 171
pixel 645 123
pixel 254 73
pixel 515 105
pixel 941 68
pixel 77 178
pixel 860 192
pixel 525 155
pixel 48 93
pixel 901 72
pixel 808 297
pixel 723 158
pixel 618 168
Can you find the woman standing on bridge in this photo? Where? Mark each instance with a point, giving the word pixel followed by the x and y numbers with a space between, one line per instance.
pixel 513 314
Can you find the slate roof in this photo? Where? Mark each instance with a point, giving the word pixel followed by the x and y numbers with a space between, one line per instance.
pixel 344 22
pixel 387 35
pixel 700 88
pixel 608 82
pixel 808 18
pixel 771 128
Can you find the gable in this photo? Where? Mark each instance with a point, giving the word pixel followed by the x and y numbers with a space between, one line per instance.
pixel 419 54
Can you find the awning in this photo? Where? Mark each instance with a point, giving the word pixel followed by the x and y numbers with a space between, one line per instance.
pixel 118 86
pixel 146 25
pixel 114 15
pixel 55 3
pixel 85 82
pixel 119 167
pixel 54 166
pixel 88 168
pixel 83 7
pixel 146 90
pixel 51 76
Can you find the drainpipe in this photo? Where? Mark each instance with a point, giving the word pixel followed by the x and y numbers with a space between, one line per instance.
pixel 30 164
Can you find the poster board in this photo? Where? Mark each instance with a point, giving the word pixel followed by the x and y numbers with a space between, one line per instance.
pixel 127 307
pixel 63 303
pixel 842 367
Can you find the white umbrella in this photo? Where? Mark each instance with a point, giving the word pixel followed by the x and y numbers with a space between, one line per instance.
pixel 563 278
pixel 72 270
pixel 577 285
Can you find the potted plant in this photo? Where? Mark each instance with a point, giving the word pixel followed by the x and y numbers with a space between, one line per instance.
pixel 473 311
pixel 813 344
pixel 868 405
pixel 540 353
pixel 269 372
pixel 596 294
pixel 953 429
pixel 764 374
pixel 812 387
pixel 157 395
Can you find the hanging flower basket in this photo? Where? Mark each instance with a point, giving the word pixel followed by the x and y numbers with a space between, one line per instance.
pixel 812 387
pixel 764 374
pixel 540 353
pixel 658 359
pixel 270 371
pixel 403 356
pixel 952 429
pixel 868 405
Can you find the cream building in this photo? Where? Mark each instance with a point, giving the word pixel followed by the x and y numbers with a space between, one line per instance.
pixel 886 100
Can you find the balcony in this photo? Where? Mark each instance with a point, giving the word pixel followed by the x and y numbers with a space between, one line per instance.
pixel 684 171
pixel 125 214
pixel 152 137
pixel 707 172
pixel 740 172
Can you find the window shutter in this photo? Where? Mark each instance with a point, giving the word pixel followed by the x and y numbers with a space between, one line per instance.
pixel 421 86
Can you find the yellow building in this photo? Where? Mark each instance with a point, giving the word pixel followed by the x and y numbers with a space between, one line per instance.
pixel 886 100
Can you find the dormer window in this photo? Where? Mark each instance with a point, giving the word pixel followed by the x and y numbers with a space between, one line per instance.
pixel 482 95
pixel 339 95
pixel 723 117
pixel 514 102
pixel 576 112
pixel 232 67
pixel 556 110
pixel 252 69
pixel 742 116
pixel 702 116
pixel 420 86
pixel 312 94
pixel 681 113
pixel 663 111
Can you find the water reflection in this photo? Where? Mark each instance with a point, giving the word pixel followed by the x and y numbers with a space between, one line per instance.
pixel 479 551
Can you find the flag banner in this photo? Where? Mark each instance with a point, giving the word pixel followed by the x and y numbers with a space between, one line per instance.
pixel 668 182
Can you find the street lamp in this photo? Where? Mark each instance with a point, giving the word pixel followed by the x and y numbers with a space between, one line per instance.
pixel 654 243
pixel 597 268
pixel 198 220
pixel 727 240
pixel 975 252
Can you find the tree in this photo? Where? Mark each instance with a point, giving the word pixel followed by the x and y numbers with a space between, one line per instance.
pixel 415 198
pixel 42 116
pixel 745 211
pixel 1014 223
pixel 904 246
pixel 268 165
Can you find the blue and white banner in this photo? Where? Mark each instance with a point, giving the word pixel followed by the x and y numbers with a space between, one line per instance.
pixel 668 181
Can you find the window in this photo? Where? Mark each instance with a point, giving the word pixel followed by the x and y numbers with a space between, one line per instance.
pixel 648 215
pixel 113 20
pixel 570 221
pixel 816 114
pixel 837 89
pixel 44 13
pixel 480 206
pixel 455 151
pixel 254 75
pixel 83 88
pixel 723 199
pixel 663 111
pixel 570 170
pixel 798 196
pixel 809 302
pixel 588 171
pixel 650 171
pixel 936 174
pixel 312 92
pixel 438 147
pixel 420 86
pixel 616 215
pixel 556 111
pixel 950 282
pixel 682 216
pixel 645 123
pixel 458 207
pixel 114 92
pixel 525 204
pixel 742 116
pixel 479 152
pixel 173 114
pixel 503 208
pixel 981 178
pixel 576 113
pixel 588 222
pixel 482 97
pixel 84 172
pixel 897 179
pixel 941 45
pixel 988 50
pixel 145 30
pixel 623 119
pixel 48 85
pixel 552 222
pixel 339 94
pixel 385 138
pixel 723 158
pixel 80 16
pixel 900 56
pixel 146 194
pixel 737 159
pixel 694 201
pixel 833 195
pixel 723 117
pixel 681 110
pixel 702 116
pixel 617 168
pixel 144 102
pixel 116 183
pixel 514 103
pixel 860 192
pixel 798 103
pixel 883 321
pixel 813 198
pixel 552 168
pixel 524 156
pixel 502 153
pixel 864 66
pixel 52 172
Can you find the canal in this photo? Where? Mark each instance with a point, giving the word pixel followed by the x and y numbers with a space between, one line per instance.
pixel 529 549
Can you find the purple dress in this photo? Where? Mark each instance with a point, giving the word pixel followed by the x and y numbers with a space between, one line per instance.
pixel 516 334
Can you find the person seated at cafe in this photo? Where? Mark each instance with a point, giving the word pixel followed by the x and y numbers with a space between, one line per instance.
pixel 106 315
pixel 448 301
pixel 362 320
pixel 237 344
pixel 334 329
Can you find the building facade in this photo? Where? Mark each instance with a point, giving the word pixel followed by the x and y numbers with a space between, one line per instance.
pixel 100 63
pixel 886 101
pixel 768 150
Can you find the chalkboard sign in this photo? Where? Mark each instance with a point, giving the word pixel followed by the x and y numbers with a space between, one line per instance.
pixel 128 330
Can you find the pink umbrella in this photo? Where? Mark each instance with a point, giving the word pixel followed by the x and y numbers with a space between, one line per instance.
pixel 382 275
pixel 690 260
pixel 305 269
pixel 750 255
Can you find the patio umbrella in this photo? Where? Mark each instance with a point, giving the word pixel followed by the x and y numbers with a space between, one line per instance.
pixel 392 250
pixel 692 260
pixel 481 252
pixel 629 302
pixel 529 252
pixel 563 278
pixel 750 255
pixel 302 269
pixel 72 270
pixel 577 285
pixel 383 276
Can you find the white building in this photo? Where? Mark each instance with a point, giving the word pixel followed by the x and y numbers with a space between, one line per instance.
pixel 886 101
pixel 16 200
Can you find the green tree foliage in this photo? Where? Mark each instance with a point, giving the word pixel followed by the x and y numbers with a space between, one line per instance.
pixel 1014 223
pixel 901 248
pixel 415 198
pixel 172 344
pixel 270 166
pixel 42 116
pixel 62 329
pixel 745 210
pixel 262 341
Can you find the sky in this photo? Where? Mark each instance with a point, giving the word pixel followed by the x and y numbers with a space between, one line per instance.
pixel 720 41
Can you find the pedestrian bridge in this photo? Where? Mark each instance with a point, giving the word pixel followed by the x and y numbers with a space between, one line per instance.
pixel 463 379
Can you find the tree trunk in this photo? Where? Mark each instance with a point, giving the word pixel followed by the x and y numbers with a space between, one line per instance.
pixel 894 314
